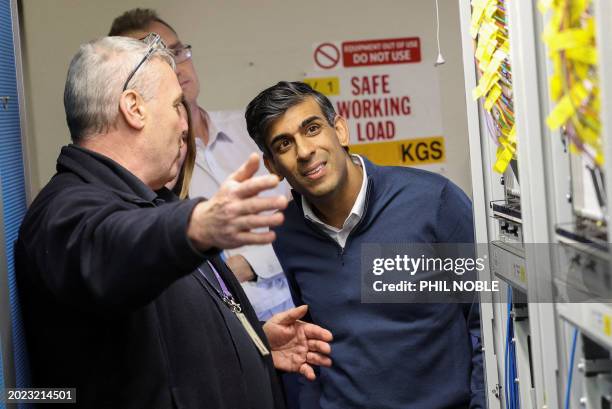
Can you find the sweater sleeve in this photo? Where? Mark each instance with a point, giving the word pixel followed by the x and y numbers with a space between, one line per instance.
pixel 94 250
pixel 477 385
pixel 455 225
pixel 455 221
pixel 294 288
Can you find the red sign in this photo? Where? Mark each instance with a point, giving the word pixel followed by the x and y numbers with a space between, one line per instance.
pixel 327 56
pixel 381 52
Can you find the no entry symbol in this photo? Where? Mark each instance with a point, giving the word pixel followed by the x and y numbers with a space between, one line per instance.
pixel 327 56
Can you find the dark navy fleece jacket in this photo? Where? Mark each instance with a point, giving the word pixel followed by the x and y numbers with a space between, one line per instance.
pixel 387 356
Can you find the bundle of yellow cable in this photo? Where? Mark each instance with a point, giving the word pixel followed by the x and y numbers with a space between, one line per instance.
pixel 490 33
pixel 574 84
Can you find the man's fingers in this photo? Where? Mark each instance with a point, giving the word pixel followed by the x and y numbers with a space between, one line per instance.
pixel 247 169
pixel 313 331
pixel 308 372
pixel 254 186
pixel 226 220
pixel 256 221
pixel 319 346
pixel 245 238
pixel 256 205
pixel 314 358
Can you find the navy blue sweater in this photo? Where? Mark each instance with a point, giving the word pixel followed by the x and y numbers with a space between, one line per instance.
pixel 417 356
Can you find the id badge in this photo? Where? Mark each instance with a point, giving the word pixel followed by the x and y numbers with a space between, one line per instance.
pixel 251 331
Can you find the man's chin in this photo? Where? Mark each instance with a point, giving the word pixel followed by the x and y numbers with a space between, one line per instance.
pixel 175 174
pixel 172 178
pixel 318 192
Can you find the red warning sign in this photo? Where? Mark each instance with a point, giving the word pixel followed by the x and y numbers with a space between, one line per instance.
pixel 381 52
pixel 327 55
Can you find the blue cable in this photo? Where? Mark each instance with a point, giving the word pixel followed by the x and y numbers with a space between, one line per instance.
pixel 513 384
pixel 511 389
pixel 570 371
pixel 506 369
pixel 513 376
pixel 507 366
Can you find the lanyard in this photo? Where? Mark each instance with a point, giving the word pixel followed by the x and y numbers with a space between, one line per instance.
pixel 228 299
pixel 226 296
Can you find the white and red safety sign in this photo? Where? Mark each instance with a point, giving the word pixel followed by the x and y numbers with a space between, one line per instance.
pixel 381 52
pixel 390 96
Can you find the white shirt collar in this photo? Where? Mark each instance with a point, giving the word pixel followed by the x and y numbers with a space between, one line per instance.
pixel 355 215
pixel 214 131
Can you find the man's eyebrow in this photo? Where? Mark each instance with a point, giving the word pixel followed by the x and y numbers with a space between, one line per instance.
pixel 308 120
pixel 304 124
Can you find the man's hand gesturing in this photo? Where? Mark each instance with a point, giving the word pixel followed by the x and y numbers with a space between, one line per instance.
pixel 226 220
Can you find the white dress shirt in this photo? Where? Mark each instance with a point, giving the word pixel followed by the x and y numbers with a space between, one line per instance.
pixel 340 235
pixel 229 146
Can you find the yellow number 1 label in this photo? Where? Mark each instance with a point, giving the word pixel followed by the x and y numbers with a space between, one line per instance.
pixel 326 85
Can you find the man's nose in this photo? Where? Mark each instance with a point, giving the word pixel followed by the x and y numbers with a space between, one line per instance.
pixel 305 148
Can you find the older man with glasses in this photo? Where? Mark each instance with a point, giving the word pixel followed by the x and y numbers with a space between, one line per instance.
pixel 123 293
pixel 222 144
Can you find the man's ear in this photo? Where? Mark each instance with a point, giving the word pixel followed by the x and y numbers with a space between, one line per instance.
pixel 132 108
pixel 269 164
pixel 342 132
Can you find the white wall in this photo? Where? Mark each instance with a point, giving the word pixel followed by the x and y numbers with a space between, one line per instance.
pixel 240 47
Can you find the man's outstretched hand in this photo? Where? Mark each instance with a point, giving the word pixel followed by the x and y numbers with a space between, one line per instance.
pixel 295 344
pixel 227 219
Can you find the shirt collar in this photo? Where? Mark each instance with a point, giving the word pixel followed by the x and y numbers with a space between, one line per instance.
pixel 215 131
pixel 356 212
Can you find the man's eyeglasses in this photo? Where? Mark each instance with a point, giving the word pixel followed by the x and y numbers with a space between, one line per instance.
pixel 155 43
pixel 181 54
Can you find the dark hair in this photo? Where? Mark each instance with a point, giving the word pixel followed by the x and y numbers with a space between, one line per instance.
pixel 273 102
pixel 135 20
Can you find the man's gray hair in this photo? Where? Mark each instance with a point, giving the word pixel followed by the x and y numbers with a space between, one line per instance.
pixel 95 82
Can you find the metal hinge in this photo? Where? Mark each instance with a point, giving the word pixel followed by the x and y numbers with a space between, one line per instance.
pixel 497 391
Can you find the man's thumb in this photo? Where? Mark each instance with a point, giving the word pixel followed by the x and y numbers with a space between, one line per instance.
pixel 247 169
pixel 292 315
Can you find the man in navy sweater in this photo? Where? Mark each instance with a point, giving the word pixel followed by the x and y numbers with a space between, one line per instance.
pixel 386 355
